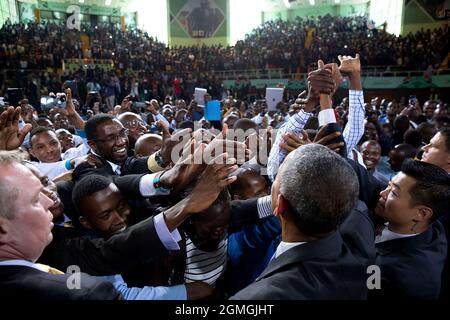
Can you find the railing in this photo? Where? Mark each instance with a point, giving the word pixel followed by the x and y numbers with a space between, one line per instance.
pixel 375 71
pixel 76 63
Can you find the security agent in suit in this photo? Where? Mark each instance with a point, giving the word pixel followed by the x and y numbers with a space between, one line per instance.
pixel 314 192
pixel 26 223
pixel 412 245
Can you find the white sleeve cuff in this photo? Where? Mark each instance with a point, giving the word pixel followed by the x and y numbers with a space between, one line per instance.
pixel 168 239
pixel 326 116
pixel 147 189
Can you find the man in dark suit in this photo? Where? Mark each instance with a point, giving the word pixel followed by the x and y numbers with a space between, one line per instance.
pixel 109 142
pixel 26 223
pixel 412 246
pixel 314 260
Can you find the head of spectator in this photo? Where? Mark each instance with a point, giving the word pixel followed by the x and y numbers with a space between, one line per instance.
pixel 60 121
pixel 168 113
pixel 414 138
pixel 399 154
pixel 249 184
pixel 371 153
pixel 187 125
pixel 25 219
pixel 180 116
pixel 442 122
pixel 209 227
pixel 427 130
pixel 230 120
pixel 44 145
pixel 401 124
pixel 66 139
pixel 107 138
pixel 147 145
pixel 428 109
pixel 437 152
pixel 50 190
pixel 135 125
pixel 313 193
pixel 370 131
pixel 442 109
pixel 415 197
pixel 45 122
pixel 89 114
pixel 100 205
pixel 180 104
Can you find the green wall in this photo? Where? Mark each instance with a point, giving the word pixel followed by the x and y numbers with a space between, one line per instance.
pixel 416 18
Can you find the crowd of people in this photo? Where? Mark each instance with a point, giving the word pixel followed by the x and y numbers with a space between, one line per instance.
pixel 31 54
pixel 156 202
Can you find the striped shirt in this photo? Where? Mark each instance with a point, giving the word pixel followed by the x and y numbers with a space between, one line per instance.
pixel 209 266
pixel 352 133
pixel 205 266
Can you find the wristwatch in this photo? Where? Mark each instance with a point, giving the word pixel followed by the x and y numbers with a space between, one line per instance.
pixel 157 183
pixel 159 160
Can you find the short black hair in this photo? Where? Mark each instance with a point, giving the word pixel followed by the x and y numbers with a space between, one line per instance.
pixel 91 125
pixel 187 124
pixel 413 137
pixel 86 186
pixel 408 150
pixel 432 188
pixel 39 130
pixel 245 124
pixel 445 132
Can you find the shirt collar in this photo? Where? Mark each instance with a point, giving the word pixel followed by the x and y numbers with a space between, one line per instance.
pixel 23 263
pixel 285 246
pixel 387 235
pixel 115 167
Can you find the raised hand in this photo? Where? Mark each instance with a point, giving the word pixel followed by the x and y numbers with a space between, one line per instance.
pixel 335 74
pixel 216 176
pixel 325 140
pixel 349 65
pixel 11 137
pixel 292 142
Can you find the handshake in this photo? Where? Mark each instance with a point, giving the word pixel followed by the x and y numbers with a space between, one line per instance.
pixel 324 82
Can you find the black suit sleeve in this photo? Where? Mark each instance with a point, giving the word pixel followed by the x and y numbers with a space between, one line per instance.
pixel 129 185
pixel 358 233
pixel 243 213
pixel 135 165
pixel 138 244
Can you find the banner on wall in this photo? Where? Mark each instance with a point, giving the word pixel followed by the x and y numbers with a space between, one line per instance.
pixel 194 22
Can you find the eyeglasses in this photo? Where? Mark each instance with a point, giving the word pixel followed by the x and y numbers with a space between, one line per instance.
pixel 123 134
pixel 133 124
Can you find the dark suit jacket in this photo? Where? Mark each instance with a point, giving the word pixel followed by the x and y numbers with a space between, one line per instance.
pixel 412 267
pixel 330 268
pixel 137 244
pixel 131 166
pixel 21 282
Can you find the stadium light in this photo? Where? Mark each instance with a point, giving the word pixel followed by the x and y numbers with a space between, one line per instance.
pixel 108 2
pixel 287 3
pixel 337 1
pixel 81 1
pixel 312 2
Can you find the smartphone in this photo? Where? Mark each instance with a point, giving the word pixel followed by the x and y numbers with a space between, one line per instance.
pixel 412 100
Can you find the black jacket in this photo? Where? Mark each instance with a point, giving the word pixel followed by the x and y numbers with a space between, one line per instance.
pixel 412 267
pixel 330 268
pixel 21 282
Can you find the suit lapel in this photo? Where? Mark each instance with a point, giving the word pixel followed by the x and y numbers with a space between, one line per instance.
pixel 308 251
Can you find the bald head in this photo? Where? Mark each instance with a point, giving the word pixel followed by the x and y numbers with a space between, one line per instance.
pixel 147 145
